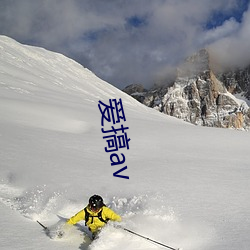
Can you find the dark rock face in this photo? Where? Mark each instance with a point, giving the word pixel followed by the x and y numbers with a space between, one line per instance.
pixel 201 97
pixel 137 91
pixel 237 81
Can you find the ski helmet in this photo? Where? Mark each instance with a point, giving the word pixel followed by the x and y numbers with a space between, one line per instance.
pixel 95 202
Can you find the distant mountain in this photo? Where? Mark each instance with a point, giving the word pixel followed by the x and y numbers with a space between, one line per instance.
pixel 201 95
pixel 237 81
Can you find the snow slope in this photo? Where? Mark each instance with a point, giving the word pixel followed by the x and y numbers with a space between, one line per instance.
pixel 189 186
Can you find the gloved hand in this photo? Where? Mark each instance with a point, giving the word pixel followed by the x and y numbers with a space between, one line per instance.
pixel 62 230
pixel 118 226
pixel 60 233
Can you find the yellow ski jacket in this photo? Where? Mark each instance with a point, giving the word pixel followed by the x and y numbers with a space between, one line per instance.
pixel 94 223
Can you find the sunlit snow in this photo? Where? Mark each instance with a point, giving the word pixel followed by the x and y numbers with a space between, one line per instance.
pixel 189 186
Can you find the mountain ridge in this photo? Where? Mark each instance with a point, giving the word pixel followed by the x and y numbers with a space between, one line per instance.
pixel 201 95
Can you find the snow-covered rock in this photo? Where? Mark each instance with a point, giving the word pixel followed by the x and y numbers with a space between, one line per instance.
pixel 199 97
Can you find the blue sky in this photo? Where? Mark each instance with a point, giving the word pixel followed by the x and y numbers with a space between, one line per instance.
pixel 218 17
pixel 131 41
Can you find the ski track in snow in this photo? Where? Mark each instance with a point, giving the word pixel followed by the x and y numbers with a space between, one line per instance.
pixel 43 117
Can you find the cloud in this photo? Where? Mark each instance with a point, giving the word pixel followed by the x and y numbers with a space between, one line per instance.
pixel 125 42
pixel 228 28
pixel 233 49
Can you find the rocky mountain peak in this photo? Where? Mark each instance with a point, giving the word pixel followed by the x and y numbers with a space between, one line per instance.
pixel 196 64
pixel 200 96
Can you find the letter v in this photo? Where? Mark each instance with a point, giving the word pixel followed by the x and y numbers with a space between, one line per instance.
pixel 119 171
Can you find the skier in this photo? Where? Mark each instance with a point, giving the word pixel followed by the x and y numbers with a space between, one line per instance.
pixel 95 214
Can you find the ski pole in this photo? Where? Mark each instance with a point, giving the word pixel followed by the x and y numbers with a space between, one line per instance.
pixel 45 228
pixel 159 243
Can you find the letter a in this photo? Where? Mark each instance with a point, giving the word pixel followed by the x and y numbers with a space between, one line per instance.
pixel 118 159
